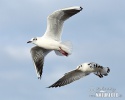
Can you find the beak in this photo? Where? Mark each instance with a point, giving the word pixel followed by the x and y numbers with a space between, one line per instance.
pixel 29 41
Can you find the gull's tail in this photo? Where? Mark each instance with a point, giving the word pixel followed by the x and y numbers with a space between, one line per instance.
pixel 102 72
pixel 65 49
pixel 105 71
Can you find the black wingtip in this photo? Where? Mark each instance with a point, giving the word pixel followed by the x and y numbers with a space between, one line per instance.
pixel 50 87
pixel 54 86
pixel 81 8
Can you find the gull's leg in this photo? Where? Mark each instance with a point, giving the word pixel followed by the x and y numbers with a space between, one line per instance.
pixel 63 52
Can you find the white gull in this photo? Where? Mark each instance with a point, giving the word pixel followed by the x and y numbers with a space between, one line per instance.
pixel 81 71
pixel 51 40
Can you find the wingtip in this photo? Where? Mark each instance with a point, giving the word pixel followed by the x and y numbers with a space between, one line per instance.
pixel 50 87
pixel 53 86
pixel 81 8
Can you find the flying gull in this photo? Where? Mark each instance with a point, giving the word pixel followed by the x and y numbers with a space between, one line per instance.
pixel 51 40
pixel 81 71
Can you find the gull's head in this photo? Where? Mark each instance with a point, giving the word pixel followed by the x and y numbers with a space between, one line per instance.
pixel 33 40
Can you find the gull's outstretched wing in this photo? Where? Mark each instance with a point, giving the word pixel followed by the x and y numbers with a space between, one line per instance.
pixel 56 19
pixel 69 78
pixel 38 55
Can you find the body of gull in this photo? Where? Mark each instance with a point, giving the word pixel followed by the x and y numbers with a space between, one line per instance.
pixel 81 71
pixel 51 40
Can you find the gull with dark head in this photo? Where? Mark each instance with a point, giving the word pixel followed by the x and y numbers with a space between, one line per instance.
pixel 51 40
pixel 81 71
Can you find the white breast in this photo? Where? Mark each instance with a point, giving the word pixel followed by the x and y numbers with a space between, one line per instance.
pixel 48 43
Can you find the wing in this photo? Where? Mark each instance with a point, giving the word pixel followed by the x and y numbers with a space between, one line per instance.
pixel 69 78
pixel 38 55
pixel 56 19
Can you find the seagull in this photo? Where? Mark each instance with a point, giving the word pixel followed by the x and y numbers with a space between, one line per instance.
pixel 51 40
pixel 81 71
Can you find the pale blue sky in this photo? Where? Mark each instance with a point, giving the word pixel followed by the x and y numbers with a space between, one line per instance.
pixel 97 34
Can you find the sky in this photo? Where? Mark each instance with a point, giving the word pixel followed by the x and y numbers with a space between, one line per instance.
pixel 97 34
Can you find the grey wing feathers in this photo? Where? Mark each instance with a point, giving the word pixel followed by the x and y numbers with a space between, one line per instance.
pixel 69 13
pixel 38 55
pixel 56 19
pixel 68 78
pixel 64 14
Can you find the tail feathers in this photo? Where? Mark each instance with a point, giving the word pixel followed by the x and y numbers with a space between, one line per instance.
pixel 67 47
pixel 103 72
